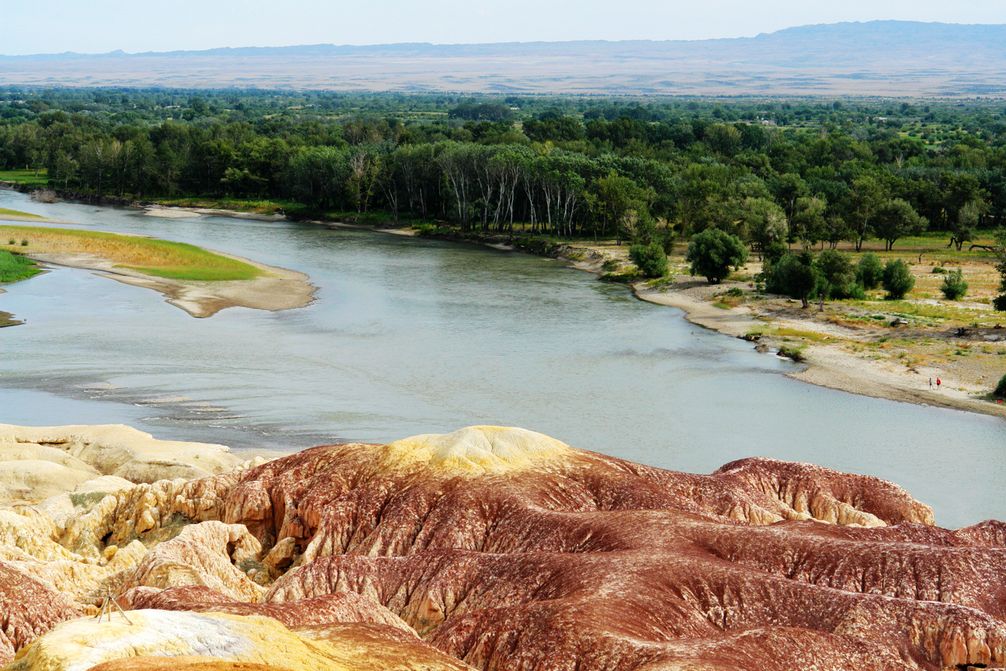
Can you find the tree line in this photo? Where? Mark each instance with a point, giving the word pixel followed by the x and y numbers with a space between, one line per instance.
pixel 764 171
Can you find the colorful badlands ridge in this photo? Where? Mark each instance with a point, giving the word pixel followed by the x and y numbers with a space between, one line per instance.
pixel 487 548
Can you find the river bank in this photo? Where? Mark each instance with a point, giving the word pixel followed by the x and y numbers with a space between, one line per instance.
pixel 865 348
pixel 827 365
pixel 836 352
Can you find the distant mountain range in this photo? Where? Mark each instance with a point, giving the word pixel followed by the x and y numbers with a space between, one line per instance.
pixel 879 58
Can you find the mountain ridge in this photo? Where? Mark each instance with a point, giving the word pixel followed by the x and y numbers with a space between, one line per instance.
pixel 893 58
pixel 783 32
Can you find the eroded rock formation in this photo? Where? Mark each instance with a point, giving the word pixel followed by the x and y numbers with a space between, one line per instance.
pixel 506 549
pixel 39 462
pixel 212 638
pixel 325 610
pixel 28 609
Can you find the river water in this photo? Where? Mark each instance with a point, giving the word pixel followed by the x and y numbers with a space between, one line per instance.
pixel 411 336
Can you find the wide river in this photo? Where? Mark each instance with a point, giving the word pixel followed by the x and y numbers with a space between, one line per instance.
pixel 414 336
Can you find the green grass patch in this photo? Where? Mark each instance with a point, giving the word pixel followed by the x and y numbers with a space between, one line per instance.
pixel 150 256
pixel 4 212
pixel 626 277
pixel 14 267
pixel 926 313
pixel 25 177
pixel 658 283
pixel 87 499
pixel 813 336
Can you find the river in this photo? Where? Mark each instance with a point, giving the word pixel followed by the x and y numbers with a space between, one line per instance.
pixel 412 336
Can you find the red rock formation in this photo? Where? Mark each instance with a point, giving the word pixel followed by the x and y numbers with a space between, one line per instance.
pixel 28 609
pixel 324 610
pixel 508 550
pixel 565 558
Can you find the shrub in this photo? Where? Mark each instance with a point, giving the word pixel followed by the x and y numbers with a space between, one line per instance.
pixel 712 253
pixel 939 270
pixel 857 292
pixel 794 275
pixel 1000 391
pixel 869 271
pixel 24 243
pixel 792 352
pixel 999 303
pixel 651 259
pixel 954 286
pixel 897 280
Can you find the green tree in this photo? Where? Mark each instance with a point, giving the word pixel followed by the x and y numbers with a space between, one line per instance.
pixel 895 219
pixel 713 253
pixel 898 279
pixel 794 275
pixel 788 189
pixel 809 222
pixel 869 271
pixel 764 222
pixel 723 139
pixel 364 172
pixel 965 226
pixel 838 277
pixel 619 203
pixel 317 176
pixel 703 197
pixel 866 198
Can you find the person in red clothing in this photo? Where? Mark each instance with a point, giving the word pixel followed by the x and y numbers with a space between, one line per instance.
pixel 939 383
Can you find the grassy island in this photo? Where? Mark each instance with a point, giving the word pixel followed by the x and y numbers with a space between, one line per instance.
pixel 197 280
pixel 17 214
pixel 149 256
pixel 15 267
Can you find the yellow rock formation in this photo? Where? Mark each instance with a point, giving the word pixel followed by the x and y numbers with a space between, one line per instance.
pixel 39 462
pixel 79 645
pixel 478 450
pixel 203 555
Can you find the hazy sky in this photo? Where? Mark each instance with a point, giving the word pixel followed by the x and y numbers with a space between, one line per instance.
pixel 143 25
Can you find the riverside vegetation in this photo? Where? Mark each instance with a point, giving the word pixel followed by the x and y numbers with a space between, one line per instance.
pixel 920 185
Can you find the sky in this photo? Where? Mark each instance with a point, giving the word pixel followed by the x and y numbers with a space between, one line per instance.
pixel 94 26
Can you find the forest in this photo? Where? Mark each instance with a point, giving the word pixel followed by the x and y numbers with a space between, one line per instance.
pixel 797 170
